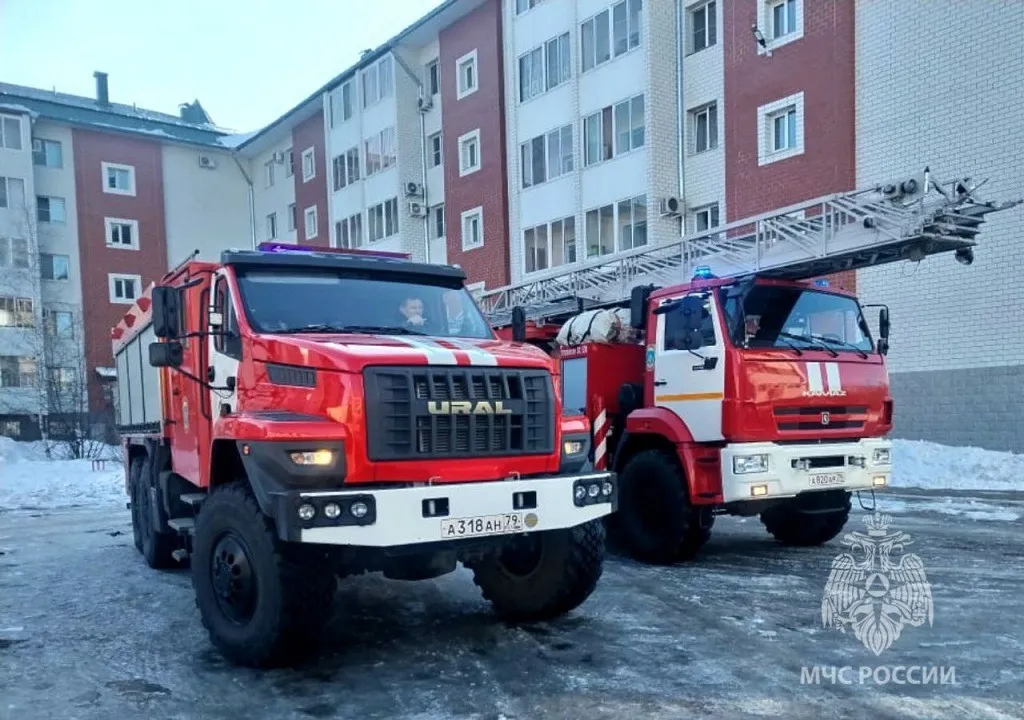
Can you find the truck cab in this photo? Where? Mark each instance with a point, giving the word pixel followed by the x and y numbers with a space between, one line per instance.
pixel 316 414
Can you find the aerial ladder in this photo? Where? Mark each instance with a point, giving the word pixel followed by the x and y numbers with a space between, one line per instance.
pixel 908 219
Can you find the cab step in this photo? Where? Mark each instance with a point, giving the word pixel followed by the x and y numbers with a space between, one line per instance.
pixel 193 499
pixel 183 526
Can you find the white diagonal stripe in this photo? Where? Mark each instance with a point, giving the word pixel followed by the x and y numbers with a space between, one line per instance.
pixel 814 378
pixel 832 375
pixel 599 423
pixel 436 355
pixel 477 355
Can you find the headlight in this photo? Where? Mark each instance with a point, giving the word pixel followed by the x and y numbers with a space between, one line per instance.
pixel 572 447
pixel 745 464
pixel 882 456
pixel 314 457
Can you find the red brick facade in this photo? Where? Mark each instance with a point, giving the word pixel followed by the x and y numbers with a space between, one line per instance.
pixel 310 134
pixel 98 261
pixel 821 64
pixel 483 110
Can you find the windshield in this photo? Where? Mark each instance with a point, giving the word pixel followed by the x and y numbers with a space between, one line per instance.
pixel 286 300
pixel 775 316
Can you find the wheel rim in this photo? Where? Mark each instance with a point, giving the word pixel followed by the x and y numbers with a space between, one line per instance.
pixel 233 579
pixel 523 556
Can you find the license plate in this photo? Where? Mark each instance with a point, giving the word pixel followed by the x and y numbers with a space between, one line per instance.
pixel 827 479
pixel 482 525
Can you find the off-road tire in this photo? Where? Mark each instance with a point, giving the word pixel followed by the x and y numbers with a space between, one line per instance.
pixel 564 575
pixel 294 584
pixel 134 471
pixel 655 522
pixel 795 523
pixel 157 546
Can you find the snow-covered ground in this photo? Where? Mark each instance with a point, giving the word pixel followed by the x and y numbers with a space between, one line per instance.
pixel 29 480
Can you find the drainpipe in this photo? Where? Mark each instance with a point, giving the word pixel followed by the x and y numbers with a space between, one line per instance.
pixel 252 201
pixel 680 112
pixel 423 148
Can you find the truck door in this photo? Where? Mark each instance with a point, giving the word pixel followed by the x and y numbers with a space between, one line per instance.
pixel 225 348
pixel 688 380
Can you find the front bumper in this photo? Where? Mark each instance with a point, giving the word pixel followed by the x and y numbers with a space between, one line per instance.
pixel 438 513
pixel 795 469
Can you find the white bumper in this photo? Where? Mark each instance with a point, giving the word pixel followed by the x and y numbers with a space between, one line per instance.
pixel 793 469
pixel 404 516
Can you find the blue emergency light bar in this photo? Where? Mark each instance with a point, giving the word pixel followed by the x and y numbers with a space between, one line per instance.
pixel 279 247
pixel 821 282
pixel 703 272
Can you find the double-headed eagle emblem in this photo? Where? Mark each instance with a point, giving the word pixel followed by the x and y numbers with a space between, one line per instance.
pixel 875 588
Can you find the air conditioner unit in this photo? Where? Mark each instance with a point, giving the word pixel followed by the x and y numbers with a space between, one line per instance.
pixel 425 103
pixel 413 189
pixel 207 161
pixel 670 206
pixel 417 209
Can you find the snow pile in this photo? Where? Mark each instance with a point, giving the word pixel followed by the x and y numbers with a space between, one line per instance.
pixel 600 326
pixel 920 464
pixel 29 480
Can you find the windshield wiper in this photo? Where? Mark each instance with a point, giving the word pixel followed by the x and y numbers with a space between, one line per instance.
pixel 841 343
pixel 810 340
pixel 795 349
pixel 349 329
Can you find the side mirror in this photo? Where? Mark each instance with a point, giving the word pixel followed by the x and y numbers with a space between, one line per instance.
pixel 166 311
pixel 691 309
pixel 638 300
pixel 518 324
pixel 166 354
pixel 883 323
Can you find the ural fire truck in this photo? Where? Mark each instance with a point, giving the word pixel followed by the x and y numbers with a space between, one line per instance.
pixel 291 415
pixel 756 386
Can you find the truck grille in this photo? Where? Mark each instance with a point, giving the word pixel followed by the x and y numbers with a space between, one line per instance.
pixel 836 417
pixel 422 412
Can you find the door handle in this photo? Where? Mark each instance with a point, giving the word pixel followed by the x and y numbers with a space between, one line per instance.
pixel 659 383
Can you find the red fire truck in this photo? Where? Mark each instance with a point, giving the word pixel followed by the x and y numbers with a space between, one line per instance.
pixel 754 388
pixel 292 415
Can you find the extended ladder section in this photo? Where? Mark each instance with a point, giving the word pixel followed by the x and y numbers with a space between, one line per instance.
pixel 909 220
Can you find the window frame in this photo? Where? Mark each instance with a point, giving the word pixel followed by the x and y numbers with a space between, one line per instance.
pixel 108 225
pixel 610 114
pixel 710 29
pixel 112 279
pixel 54 256
pixel 8 256
pixel 432 77
pixel 468 140
pixel 46 143
pixel 4 145
pixel 437 222
pixel 311 211
pixel 22 312
pixel 766 22
pixel 436 158
pixel 353 226
pixel 710 110
pixel 766 117
pixel 616 225
pixel 271 226
pixel 49 209
pixel 549 229
pixel 106 167
pixel 388 215
pixel 309 153
pixel 6 181
pixel 526 147
pixel 471 60
pixel 293 217
pixel 476 213
pixel 713 213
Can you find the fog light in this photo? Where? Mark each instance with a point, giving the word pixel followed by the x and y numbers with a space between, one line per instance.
pixel 758 490
pixel 606 489
pixel 594 490
pixel 306 511
pixel 332 510
pixel 572 447
pixel 744 464
pixel 879 481
pixel 312 457
pixel 580 492
pixel 359 509
pixel 882 456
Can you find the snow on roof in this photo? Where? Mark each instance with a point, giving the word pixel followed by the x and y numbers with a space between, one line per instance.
pixel 235 140
pixel 107 372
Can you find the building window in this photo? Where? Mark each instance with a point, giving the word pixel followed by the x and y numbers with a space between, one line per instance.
pixel 124 289
pixel 50 209
pixel 17 371
pixel 531 74
pixel 346 101
pixel 293 218
pixel 614 130
pixel 47 153
pixel 783 18
pixel 437 221
pixel 703 22
pixel 544 67
pixel 550 245
pixel 378 81
pixel 54 267
pixel 781 21
pixel 433 77
pixel 289 162
pixel 466 72
pixel 118 179
pixel 781 126
pixel 626 26
pixel 308 164
pixel 547 156
pixel 12 192
pixel 381 151
pixel 610 33
pixel 310 221
pixel 622 224
pixel 705 218
pixel 349 232
pixel 122 233
pixel 10 132
pixel 11 429
pixel 17 312
pixel 434 148
pixel 469 153
pixel 473 228
pixel 268 173
pixel 272 226
pixel 704 127
pixel 524 5
pixel 13 253
pixel 346 168
pixel 382 220
pixel 58 323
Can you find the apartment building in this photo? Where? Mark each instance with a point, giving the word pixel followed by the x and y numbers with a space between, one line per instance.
pixel 97 199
